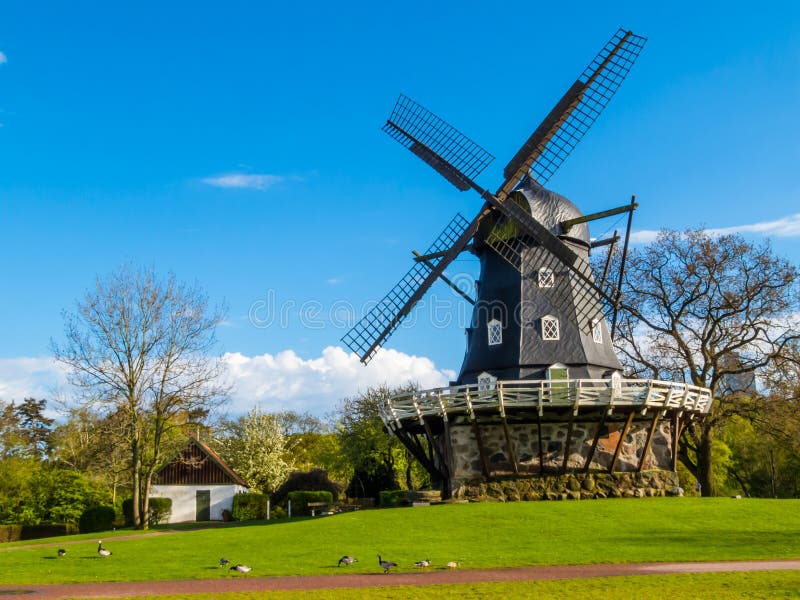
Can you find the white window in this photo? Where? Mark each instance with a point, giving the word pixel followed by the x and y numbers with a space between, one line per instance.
pixel 486 382
pixel 550 330
pixel 546 278
pixel 494 330
pixel 597 331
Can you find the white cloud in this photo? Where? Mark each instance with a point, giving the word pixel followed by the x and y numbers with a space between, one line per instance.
pixel 3 58
pixel 287 381
pixel 30 377
pixel 253 181
pixel 275 381
pixel 786 227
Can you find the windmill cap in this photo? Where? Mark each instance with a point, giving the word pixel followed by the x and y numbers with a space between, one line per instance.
pixel 551 209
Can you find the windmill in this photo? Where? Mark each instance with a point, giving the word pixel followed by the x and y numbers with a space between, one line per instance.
pixel 540 390
pixel 509 223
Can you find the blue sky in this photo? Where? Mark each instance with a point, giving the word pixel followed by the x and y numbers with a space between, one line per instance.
pixel 239 145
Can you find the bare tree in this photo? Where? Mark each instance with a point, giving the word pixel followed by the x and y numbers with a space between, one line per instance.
pixel 140 347
pixel 711 311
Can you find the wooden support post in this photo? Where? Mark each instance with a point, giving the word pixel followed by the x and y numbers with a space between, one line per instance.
pixel 568 441
pixel 541 448
pixel 478 438
pixel 432 443
pixel 511 454
pixel 477 430
pixel 649 441
pixel 595 441
pixel 622 437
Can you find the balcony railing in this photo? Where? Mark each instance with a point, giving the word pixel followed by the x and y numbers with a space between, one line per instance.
pixel 543 394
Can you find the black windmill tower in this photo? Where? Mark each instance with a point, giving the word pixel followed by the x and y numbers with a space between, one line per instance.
pixel 539 310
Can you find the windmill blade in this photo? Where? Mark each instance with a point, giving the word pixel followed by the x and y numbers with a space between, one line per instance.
pixel 378 324
pixel 565 126
pixel 452 154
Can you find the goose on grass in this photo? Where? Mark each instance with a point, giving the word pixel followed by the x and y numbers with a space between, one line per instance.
pixel 61 552
pixel 423 564
pixel 386 565
pixel 102 551
pixel 241 568
pixel 347 560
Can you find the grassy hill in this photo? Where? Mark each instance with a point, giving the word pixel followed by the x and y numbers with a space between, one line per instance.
pixel 476 535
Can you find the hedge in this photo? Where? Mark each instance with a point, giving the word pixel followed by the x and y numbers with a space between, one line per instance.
pixel 97 518
pixel 160 510
pixel 315 480
pixel 390 498
pixel 250 507
pixel 300 500
pixel 14 533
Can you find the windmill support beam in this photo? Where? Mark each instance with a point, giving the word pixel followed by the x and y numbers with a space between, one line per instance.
pixel 595 441
pixel 449 282
pixel 569 223
pixel 649 440
pixel 621 441
pixel 541 446
pixel 610 241
pixel 426 257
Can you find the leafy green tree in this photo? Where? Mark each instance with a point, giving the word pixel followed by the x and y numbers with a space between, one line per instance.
pixel 376 458
pixel 35 428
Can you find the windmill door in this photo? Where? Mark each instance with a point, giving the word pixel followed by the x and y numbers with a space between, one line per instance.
pixel 203 505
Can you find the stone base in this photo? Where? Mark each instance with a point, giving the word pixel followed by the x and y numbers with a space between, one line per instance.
pixel 575 486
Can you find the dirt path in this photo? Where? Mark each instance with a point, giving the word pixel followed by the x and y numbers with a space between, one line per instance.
pixel 249 584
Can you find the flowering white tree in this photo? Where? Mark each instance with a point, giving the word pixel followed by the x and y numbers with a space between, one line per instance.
pixel 257 448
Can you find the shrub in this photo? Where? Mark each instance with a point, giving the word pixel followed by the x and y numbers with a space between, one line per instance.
pixel 391 498
pixel 10 533
pixel 127 511
pixel 301 499
pixel 97 518
pixel 250 507
pixel 159 510
pixel 13 533
pixel 276 512
pixel 315 480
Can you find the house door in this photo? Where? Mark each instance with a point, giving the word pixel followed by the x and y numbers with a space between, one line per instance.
pixel 203 505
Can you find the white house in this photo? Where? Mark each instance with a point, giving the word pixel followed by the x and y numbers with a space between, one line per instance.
pixel 200 484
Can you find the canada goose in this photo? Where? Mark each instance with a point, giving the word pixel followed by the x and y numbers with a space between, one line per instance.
pixel 452 565
pixel 423 564
pixel 241 568
pixel 385 564
pixel 223 562
pixel 347 560
pixel 61 552
pixel 102 551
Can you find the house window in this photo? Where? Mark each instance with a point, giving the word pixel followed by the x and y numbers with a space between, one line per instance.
pixel 597 331
pixel 486 382
pixel 495 332
pixel 546 278
pixel 550 330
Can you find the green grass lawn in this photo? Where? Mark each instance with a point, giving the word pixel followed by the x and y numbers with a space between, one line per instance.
pixel 476 535
pixel 725 586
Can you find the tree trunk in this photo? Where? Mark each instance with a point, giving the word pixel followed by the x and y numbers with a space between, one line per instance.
pixel 145 501
pixel 135 477
pixel 704 462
